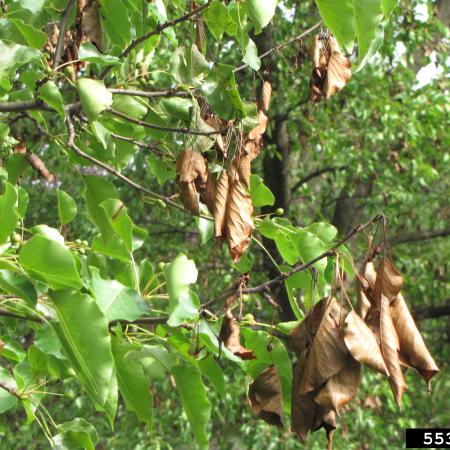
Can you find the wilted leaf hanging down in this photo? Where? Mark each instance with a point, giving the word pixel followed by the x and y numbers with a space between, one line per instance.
pixel 266 94
pixel 220 205
pixel 230 336
pixel 91 28
pixel 265 396
pixel 331 69
pixel 192 176
pixel 413 351
pixel 388 281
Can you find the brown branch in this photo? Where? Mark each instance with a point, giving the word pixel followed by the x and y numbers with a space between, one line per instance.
pixel 159 29
pixel 11 390
pixel 153 148
pixel 35 162
pixel 61 33
pixel 142 123
pixel 150 94
pixel 418 236
pixel 432 312
pixel 283 44
pixel 34 104
pixel 315 174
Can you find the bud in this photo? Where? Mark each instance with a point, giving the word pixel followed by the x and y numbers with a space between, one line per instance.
pixel 279 211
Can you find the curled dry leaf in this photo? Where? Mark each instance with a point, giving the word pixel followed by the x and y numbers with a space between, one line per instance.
pixel 362 343
pixel 266 94
pixel 215 123
pixel 91 27
pixel 388 281
pixel 413 351
pixel 265 396
pixel 220 205
pixel 192 176
pixel 230 336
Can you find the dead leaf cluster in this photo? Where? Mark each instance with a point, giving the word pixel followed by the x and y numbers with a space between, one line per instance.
pixel 331 68
pixel 227 196
pixel 332 344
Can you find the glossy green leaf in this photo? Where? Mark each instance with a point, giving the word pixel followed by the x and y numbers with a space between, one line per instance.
pixel 88 52
pixel 213 372
pixel 76 434
pixel 12 350
pixel 183 304
pixel 324 231
pixel 8 213
pixel 34 38
pixel 219 20
pixel 388 6
pixel 260 193
pixel 261 12
pixel 134 385
pixel 19 285
pixel 195 403
pixel 116 22
pixel 50 94
pixel 117 302
pixel 80 324
pixel 285 245
pixel 94 97
pixel 67 208
pixel 309 246
pixel 251 57
pixel 50 262
pixel 132 106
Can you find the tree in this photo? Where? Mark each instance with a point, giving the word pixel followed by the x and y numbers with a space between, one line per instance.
pixel 126 122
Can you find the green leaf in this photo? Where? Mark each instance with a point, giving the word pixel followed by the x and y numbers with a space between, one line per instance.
pixel 261 12
pixel 12 350
pixel 67 208
pixel 13 56
pixel 116 22
pixel 78 433
pixel 188 65
pixel 133 382
pixel 183 304
pixel 49 92
pixel 132 106
pixel 47 342
pixel 94 97
pixel 117 302
pixel 162 170
pixel 98 189
pixel 220 90
pixel 34 38
pixel 388 6
pixel 19 285
pixel 367 15
pixel 115 248
pixel 88 52
pixel 251 57
pixel 50 262
pixel 195 403
pixel 338 17
pixel 309 246
pixel 286 247
pixel 260 193
pixel 7 400
pixel 83 332
pixel 219 20
pixel 211 370
pixel 324 231
pixel 8 213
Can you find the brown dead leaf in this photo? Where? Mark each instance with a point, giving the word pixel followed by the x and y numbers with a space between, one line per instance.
pixel 215 123
pixel 230 336
pixel 220 205
pixel 362 343
pixel 338 73
pixel 266 94
pixel 208 193
pixel 413 351
pixel 388 281
pixel 265 396
pixel 91 27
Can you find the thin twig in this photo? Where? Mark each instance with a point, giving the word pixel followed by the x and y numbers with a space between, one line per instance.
pixel 159 29
pixel 315 174
pixel 150 94
pixel 62 31
pixel 183 130
pixel 282 45
pixel 153 148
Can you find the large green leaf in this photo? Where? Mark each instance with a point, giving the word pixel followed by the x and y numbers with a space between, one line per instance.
pixel 67 208
pixel 76 434
pixel 219 20
pixel 338 17
pixel 325 231
pixel 116 21
pixel 33 37
pixel 309 246
pixel 49 92
pixel 94 97
pixel 183 304
pixel 118 302
pixel 19 285
pixel 82 329
pixel 188 65
pixel 261 12
pixel 51 262
pixel 13 56
pixel 195 403
pixel 134 385
pixel 8 213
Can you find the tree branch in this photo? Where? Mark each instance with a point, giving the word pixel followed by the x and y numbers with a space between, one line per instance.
pixel 153 148
pixel 315 174
pixel 159 29
pixel 183 130
pixel 418 236
pixel 151 94
pixel 432 312
pixel 282 45
pixel 62 32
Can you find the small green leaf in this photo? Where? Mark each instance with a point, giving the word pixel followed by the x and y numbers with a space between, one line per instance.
pixel 67 208
pixel 261 12
pixel 195 403
pixel 251 57
pixel 8 213
pixel 309 246
pixel 183 304
pixel 88 52
pixel 260 193
pixel 51 262
pixel 324 231
pixel 94 97
pixel 76 434
pixel 49 92
pixel 81 328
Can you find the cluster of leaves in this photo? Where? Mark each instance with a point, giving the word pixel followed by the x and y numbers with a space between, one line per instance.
pixel 91 306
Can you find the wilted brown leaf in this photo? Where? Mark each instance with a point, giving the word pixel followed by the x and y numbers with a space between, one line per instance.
pixel 388 281
pixel 362 343
pixel 230 336
pixel 266 94
pixel 220 205
pixel 208 193
pixel 91 27
pixel 214 122
pixel 413 351
pixel 265 396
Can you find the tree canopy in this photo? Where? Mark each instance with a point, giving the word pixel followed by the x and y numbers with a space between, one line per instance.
pixel 224 221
